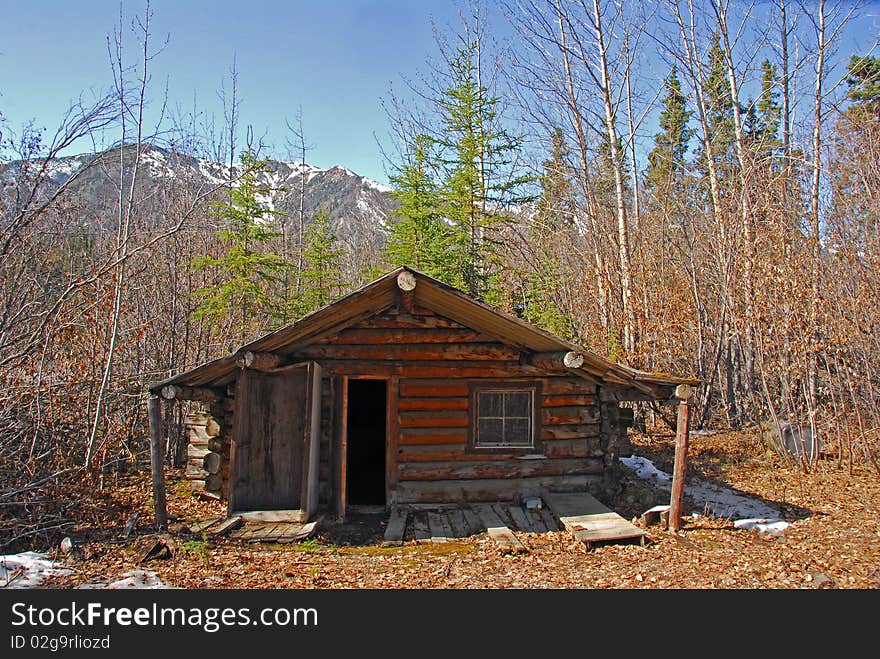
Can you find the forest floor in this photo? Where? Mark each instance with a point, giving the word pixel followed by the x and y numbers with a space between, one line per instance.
pixel 833 540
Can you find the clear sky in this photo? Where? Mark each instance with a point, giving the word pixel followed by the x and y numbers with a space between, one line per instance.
pixel 336 59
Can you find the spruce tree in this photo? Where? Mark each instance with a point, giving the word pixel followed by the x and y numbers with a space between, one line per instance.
pixel 321 278
pixel 418 237
pixel 248 272
pixel 479 182
pixel 666 160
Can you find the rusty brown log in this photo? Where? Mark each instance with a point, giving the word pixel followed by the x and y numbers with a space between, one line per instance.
pixel 157 462
pixel 679 469
pixel 259 361
pixel 176 392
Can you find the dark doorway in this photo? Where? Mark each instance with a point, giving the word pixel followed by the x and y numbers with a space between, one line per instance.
pixel 365 463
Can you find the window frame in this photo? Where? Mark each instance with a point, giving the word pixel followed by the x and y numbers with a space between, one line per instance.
pixel 504 386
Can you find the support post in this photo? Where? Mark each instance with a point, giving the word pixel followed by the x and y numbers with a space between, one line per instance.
pixel 157 462
pixel 682 393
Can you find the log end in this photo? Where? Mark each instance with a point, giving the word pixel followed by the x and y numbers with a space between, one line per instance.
pixel 406 281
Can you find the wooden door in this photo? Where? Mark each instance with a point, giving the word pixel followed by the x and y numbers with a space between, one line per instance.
pixel 275 452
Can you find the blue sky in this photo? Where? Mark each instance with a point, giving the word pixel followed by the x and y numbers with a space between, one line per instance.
pixel 334 59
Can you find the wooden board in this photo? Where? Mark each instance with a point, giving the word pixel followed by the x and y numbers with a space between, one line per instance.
pixel 589 520
pixel 396 526
pixel 536 521
pixel 421 533
pixel 460 527
pixel 225 526
pixel 498 531
pixel 549 520
pixel 269 432
pixel 204 525
pixel 475 524
pixel 519 518
pixel 440 531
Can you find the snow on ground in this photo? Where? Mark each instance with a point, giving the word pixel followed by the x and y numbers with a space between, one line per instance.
pixel 715 499
pixel 135 579
pixel 28 569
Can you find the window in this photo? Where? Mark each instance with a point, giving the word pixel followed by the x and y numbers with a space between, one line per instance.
pixel 503 416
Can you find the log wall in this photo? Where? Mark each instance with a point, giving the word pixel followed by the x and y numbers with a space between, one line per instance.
pixel 434 361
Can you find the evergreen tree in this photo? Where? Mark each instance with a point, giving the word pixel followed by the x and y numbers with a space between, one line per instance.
pixel 863 78
pixel 477 160
pixel 249 271
pixel 321 278
pixel 719 116
pixel 666 160
pixel 548 233
pixel 419 236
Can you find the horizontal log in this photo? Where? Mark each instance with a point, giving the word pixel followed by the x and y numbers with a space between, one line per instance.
pixel 405 321
pixel 413 352
pixel 434 419
pixel 414 388
pixel 197 452
pixel 572 448
pixel 259 361
pixel 425 436
pixel 175 392
pixel 570 385
pixel 429 369
pixel 407 336
pixel 432 404
pixel 553 361
pixel 490 489
pixel 482 469
pixel 552 449
pixel 567 400
pixel 555 416
pixel 574 431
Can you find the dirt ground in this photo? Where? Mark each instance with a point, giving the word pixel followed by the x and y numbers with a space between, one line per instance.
pixel 833 540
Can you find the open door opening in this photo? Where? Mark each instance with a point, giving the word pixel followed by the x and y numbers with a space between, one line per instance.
pixel 365 450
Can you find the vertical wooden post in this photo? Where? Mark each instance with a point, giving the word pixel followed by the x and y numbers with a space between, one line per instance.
pixel 157 462
pixel 682 432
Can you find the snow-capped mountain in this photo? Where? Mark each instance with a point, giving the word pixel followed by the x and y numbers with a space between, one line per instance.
pixel 356 205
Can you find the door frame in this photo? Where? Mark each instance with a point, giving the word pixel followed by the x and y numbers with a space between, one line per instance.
pixel 341 452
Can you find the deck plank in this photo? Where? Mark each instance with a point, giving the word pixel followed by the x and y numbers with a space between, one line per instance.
pixel 475 524
pixel 396 526
pixel 589 520
pixel 440 531
pixel 421 533
pixel 498 530
pixel 458 523
pixel 536 520
pixel 520 520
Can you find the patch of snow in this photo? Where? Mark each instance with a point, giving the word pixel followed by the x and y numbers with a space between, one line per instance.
pixel 769 526
pixel 370 183
pixel 28 569
pixel 132 580
pixel 715 499
pixel 644 468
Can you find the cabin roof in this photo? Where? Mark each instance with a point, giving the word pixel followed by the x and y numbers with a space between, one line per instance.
pixel 382 293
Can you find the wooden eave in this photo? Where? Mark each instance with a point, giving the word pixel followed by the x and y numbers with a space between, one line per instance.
pixel 381 294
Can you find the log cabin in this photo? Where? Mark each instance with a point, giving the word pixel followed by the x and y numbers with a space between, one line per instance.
pixel 406 391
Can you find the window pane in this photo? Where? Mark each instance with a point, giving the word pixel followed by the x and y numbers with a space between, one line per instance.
pixel 517 404
pixel 491 404
pixel 489 432
pixel 517 432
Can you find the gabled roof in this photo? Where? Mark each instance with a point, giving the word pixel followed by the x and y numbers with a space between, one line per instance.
pixel 381 294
